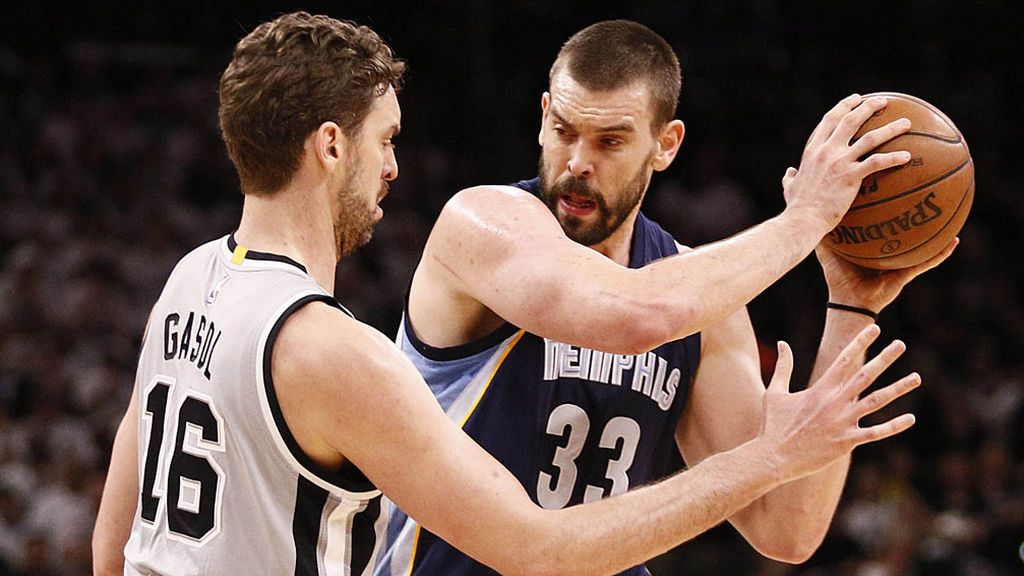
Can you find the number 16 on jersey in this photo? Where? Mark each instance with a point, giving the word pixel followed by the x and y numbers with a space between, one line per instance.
pixel 193 481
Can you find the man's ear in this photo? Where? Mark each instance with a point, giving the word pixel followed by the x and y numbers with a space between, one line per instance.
pixel 669 139
pixel 329 145
pixel 545 101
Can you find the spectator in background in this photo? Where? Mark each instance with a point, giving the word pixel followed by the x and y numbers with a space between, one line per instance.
pixel 101 141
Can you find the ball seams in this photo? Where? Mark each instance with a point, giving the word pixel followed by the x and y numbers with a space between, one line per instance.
pixel 917 188
pixel 923 244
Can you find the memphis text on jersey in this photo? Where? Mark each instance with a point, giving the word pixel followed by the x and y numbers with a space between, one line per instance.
pixel 194 341
pixel 651 376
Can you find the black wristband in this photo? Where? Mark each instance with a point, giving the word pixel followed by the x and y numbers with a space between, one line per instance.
pixel 854 309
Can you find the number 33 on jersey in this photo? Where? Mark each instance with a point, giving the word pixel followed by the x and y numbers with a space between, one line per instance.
pixel 572 424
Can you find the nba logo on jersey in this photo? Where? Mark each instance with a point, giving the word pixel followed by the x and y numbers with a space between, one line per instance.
pixel 212 296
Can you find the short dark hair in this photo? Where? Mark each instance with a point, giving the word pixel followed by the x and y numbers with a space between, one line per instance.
pixel 286 78
pixel 616 53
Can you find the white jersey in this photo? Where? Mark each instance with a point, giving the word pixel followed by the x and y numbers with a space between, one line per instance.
pixel 225 489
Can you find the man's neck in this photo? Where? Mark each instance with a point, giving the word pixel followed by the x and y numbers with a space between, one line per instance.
pixel 293 222
pixel 619 245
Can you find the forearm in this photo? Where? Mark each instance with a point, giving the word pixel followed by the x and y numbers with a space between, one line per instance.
pixel 840 328
pixel 117 506
pixel 806 507
pixel 801 511
pixel 701 287
pixel 614 534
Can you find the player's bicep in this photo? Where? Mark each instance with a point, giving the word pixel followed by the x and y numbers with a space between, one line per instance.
pixel 367 401
pixel 726 404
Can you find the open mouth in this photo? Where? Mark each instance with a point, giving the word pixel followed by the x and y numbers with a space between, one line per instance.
pixel 577 205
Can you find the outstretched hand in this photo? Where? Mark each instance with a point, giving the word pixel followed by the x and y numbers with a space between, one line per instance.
pixel 812 428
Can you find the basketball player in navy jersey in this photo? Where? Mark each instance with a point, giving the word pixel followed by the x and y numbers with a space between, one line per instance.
pixel 558 326
pixel 266 421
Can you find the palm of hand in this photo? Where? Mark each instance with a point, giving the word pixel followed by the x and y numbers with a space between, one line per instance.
pixel 810 428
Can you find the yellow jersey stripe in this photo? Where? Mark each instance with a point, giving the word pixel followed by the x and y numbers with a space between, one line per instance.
pixel 416 538
pixel 239 255
pixel 491 377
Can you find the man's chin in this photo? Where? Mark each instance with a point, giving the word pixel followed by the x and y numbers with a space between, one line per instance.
pixel 579 233
pixel 586 233
pixel 347 248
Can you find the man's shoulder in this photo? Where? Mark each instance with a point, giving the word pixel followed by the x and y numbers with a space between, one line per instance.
pixel 200 254
pixel 319 330
pixel 494 192
pixel 491 207
pixel 327 350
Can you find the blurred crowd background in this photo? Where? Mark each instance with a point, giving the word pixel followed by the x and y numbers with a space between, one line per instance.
pixel 111 168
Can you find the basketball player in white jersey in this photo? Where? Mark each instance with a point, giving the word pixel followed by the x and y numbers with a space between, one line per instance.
pixel 266 422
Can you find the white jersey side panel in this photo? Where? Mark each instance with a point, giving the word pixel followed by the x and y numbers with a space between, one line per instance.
pixel 224 488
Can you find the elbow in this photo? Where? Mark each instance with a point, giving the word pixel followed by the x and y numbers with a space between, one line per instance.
pixel 543 567
pixel 528 564
pixel 793 556
pixel 548 553
pixel 791 548
pixel 535 558
pixel 105 561
pixel 783 534
pixel 525 569
pixel 656 325
pixel 101 568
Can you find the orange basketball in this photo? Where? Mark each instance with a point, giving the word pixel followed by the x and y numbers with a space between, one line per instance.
pixel 905 215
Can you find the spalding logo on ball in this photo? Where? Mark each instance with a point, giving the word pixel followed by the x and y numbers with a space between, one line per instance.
pixel 905 215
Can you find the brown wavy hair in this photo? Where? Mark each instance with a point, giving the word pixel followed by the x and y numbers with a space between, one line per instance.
pixel 286 78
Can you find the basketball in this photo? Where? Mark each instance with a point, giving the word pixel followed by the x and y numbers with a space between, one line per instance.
pixel 905 215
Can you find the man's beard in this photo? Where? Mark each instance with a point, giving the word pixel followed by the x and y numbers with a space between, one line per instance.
pixel 609 217
pixel 353 225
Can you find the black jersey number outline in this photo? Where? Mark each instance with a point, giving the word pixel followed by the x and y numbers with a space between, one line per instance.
pixel 575 419
pixel 194 479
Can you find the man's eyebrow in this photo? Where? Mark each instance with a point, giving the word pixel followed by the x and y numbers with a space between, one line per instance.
pixel 621 127
pixel 561 118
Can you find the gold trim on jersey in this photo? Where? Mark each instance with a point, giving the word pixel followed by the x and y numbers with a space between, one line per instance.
pixel 238 256
pixel 490 378
pixel 415 545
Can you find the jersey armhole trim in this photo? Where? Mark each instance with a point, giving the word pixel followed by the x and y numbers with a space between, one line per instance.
pixel 490 378
pixel 693 341
pixel 459 351
pixel 349 478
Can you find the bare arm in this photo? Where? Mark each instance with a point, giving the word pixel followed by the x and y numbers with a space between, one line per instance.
pixel 790 522
pixel 341 390
pixel 726 409
pixel 498 252
pixel 120 497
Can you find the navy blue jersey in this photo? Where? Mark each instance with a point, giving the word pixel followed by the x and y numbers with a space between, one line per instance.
pixel 572 424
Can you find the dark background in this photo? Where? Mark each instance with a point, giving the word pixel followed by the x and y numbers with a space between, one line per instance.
pixel 111 169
